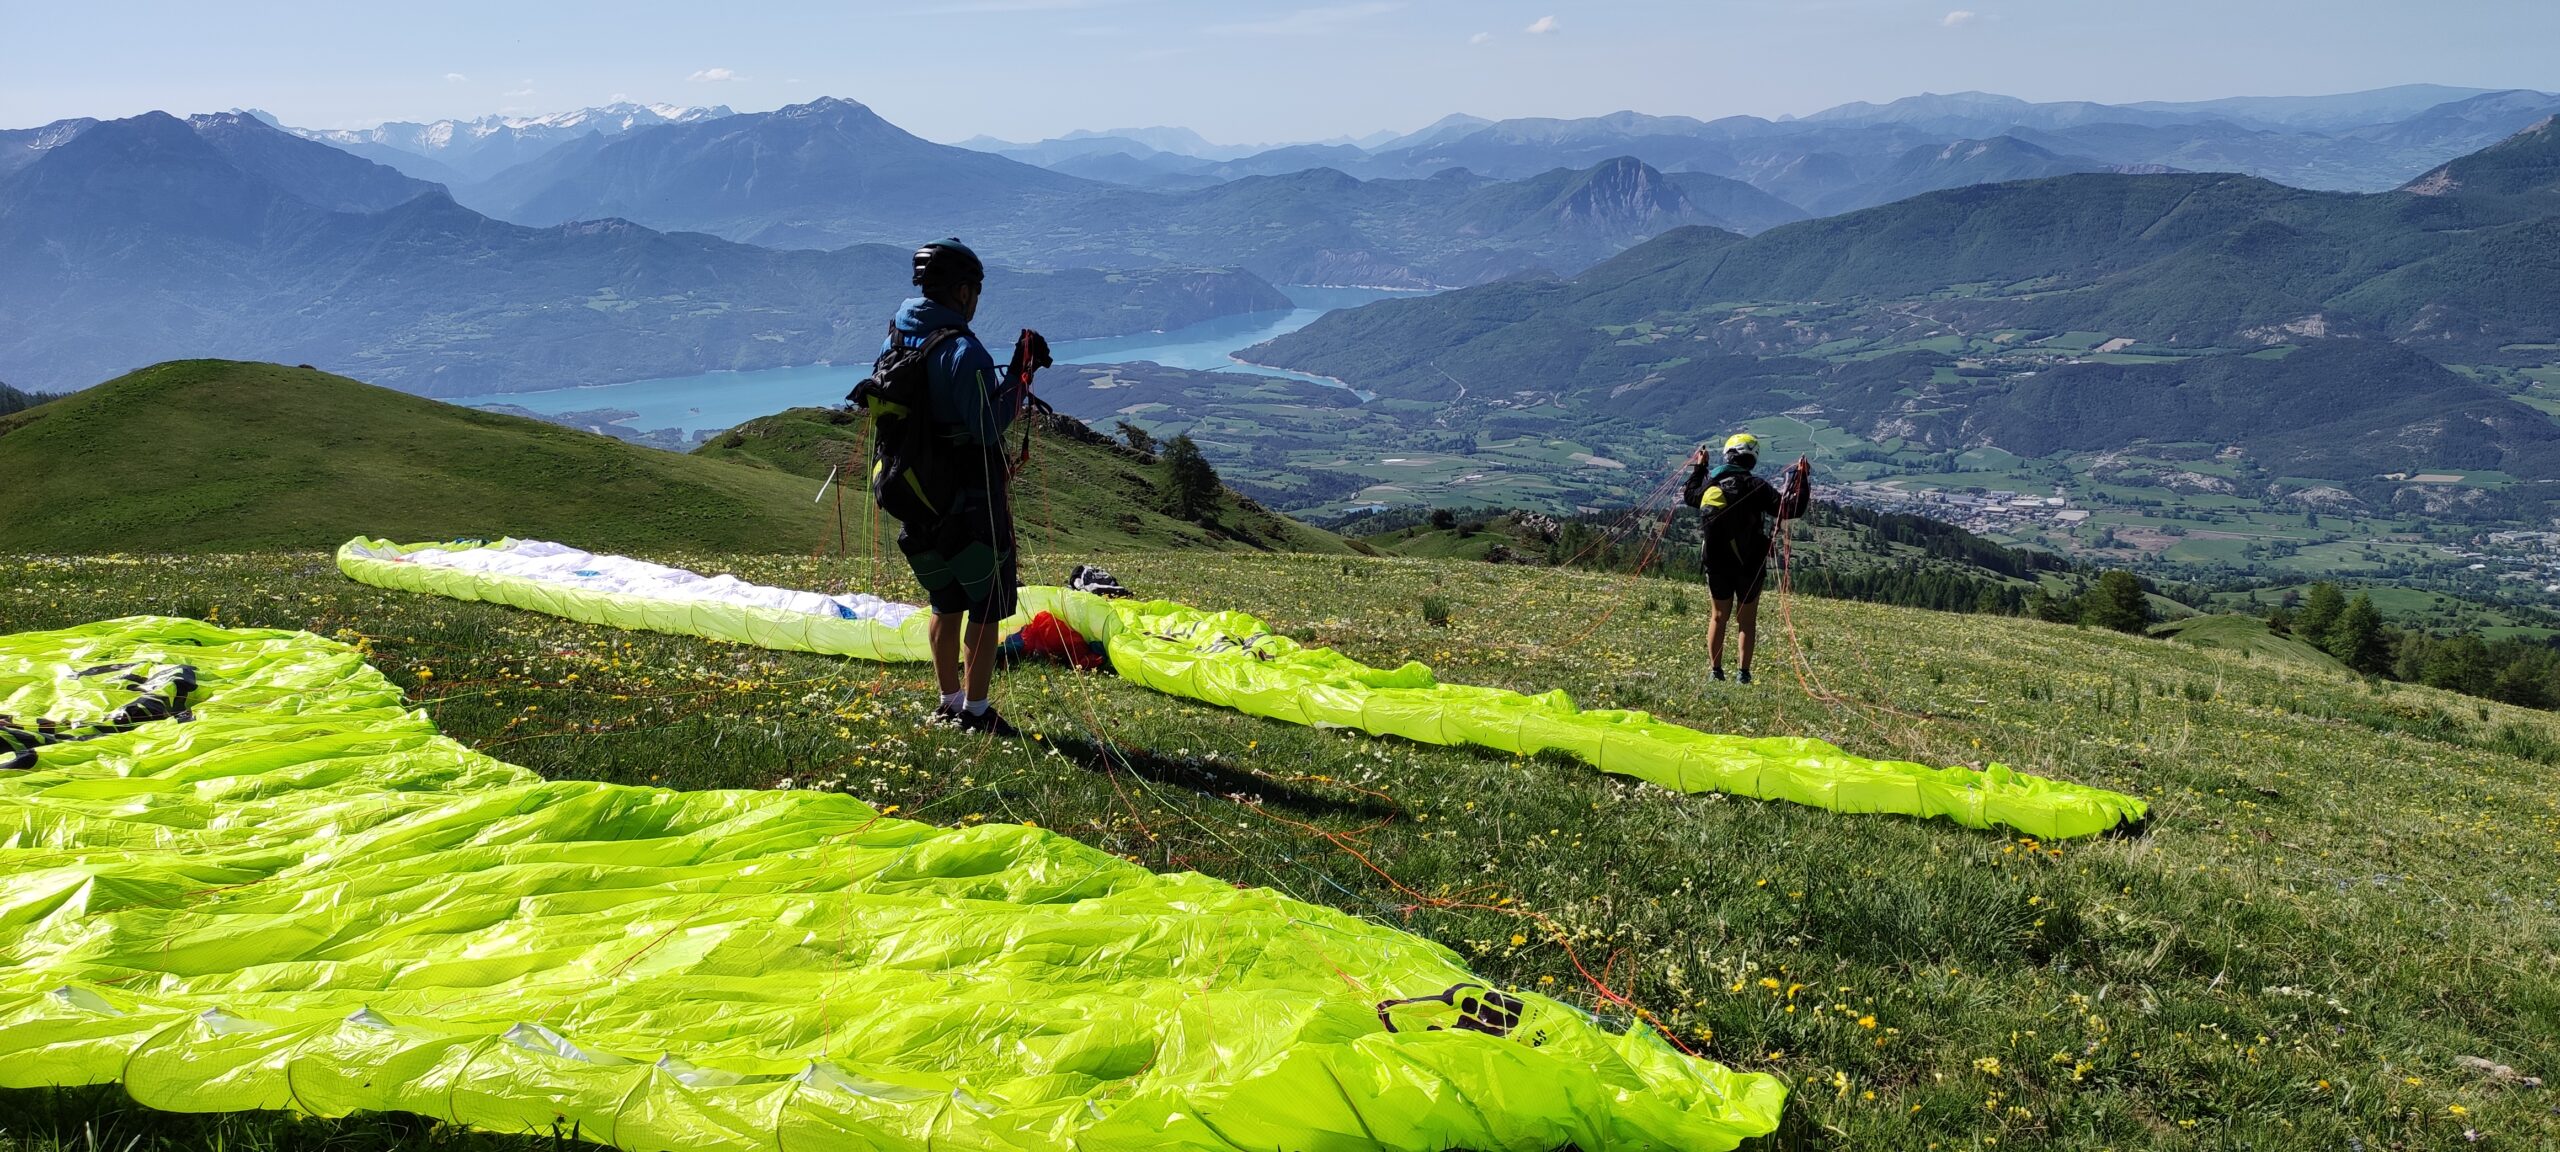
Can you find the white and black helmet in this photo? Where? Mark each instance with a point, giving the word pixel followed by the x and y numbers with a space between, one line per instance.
pixel 948 264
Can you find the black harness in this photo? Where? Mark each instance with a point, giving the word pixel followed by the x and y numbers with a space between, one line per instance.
pixel 162 695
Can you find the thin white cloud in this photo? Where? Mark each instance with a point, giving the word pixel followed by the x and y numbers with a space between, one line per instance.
pixel 712 76
pixel 1307 21
pixel 1481 38
pixel 1959 18
pixel 456 78
pixel 1542 25
pixel 523 88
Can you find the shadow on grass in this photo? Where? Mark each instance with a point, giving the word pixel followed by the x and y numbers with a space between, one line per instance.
pixel 1205 776
pixel 102 1118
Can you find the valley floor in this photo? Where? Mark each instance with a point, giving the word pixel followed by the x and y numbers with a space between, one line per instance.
pixel 2339 924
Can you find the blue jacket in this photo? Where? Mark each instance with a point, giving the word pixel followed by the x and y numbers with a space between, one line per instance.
pixel 972 402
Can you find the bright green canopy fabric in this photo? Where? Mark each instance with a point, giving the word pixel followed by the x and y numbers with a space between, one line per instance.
pixel 295 894
pixel 1231 658
pixel 1234 660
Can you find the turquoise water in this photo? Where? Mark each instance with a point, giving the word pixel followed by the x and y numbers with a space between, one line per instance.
pixel 715 400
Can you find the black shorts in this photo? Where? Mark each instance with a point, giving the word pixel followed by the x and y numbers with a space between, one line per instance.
pixel 965 560
pixel 1739 577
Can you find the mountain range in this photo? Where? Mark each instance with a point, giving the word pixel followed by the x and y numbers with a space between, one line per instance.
pixel 454 152
pixel 1838 159
pixel 832 172
pixel 222 234
pixel 1434 207
pixel 152 237
pixel 1620 293
pixel 1847 157
pixel 2461 262
pixel 2316 330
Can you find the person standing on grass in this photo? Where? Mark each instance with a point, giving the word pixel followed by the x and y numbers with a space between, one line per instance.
pixel 1737 512
pixel 957 532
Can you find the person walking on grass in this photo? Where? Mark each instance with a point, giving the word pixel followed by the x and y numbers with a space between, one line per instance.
pixel 941 410
pixel 1737 512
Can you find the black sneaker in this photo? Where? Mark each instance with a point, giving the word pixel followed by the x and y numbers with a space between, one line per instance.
pixel 946 716
pixel 1744 676
pixel 989 722
pixel 1717 673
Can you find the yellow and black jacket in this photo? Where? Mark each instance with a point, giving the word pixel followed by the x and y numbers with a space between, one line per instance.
pixel 1736 510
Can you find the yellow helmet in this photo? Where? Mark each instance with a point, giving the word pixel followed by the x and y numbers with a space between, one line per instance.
pixel 1742 444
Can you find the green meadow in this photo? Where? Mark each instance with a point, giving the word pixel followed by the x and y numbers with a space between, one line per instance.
pixel 2338 928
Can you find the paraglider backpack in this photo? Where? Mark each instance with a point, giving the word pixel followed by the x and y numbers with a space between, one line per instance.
pixel 909 480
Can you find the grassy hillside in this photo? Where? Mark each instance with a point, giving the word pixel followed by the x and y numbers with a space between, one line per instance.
pixel 2343 901
pixel 218 455
pixel 1836 550
pixel 2244 634
pixel 1490 540
pixel 1078 490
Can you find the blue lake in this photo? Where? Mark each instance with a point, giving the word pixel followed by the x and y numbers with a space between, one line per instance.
pixel 715 400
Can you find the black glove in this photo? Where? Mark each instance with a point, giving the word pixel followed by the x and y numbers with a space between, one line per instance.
pixel 1030 354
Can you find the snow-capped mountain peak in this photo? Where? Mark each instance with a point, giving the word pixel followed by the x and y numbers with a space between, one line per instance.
pixel 479 147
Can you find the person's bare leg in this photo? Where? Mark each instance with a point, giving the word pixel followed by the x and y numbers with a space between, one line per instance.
pixel 1748 618
pixel 943 637
pixel 1717 611
pixel 982 660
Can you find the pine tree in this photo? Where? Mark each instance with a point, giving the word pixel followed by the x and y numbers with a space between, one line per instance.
pixel 2356 638
pixel 2462 664
pixel 2320 609
pixel 2410 655
pixel 1191 488
pixel 1137 439
pixel 2052 609
pixel 2525 683
pixel 2117 602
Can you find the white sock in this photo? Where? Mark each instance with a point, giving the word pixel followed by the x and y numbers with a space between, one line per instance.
pixel 976 707
pixel 954 699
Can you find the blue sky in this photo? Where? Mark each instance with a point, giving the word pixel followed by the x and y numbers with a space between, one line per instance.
pixel 1241 71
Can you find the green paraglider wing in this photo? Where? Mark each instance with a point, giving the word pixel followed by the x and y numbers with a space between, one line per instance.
pixel 1234 660
pixel 286 891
